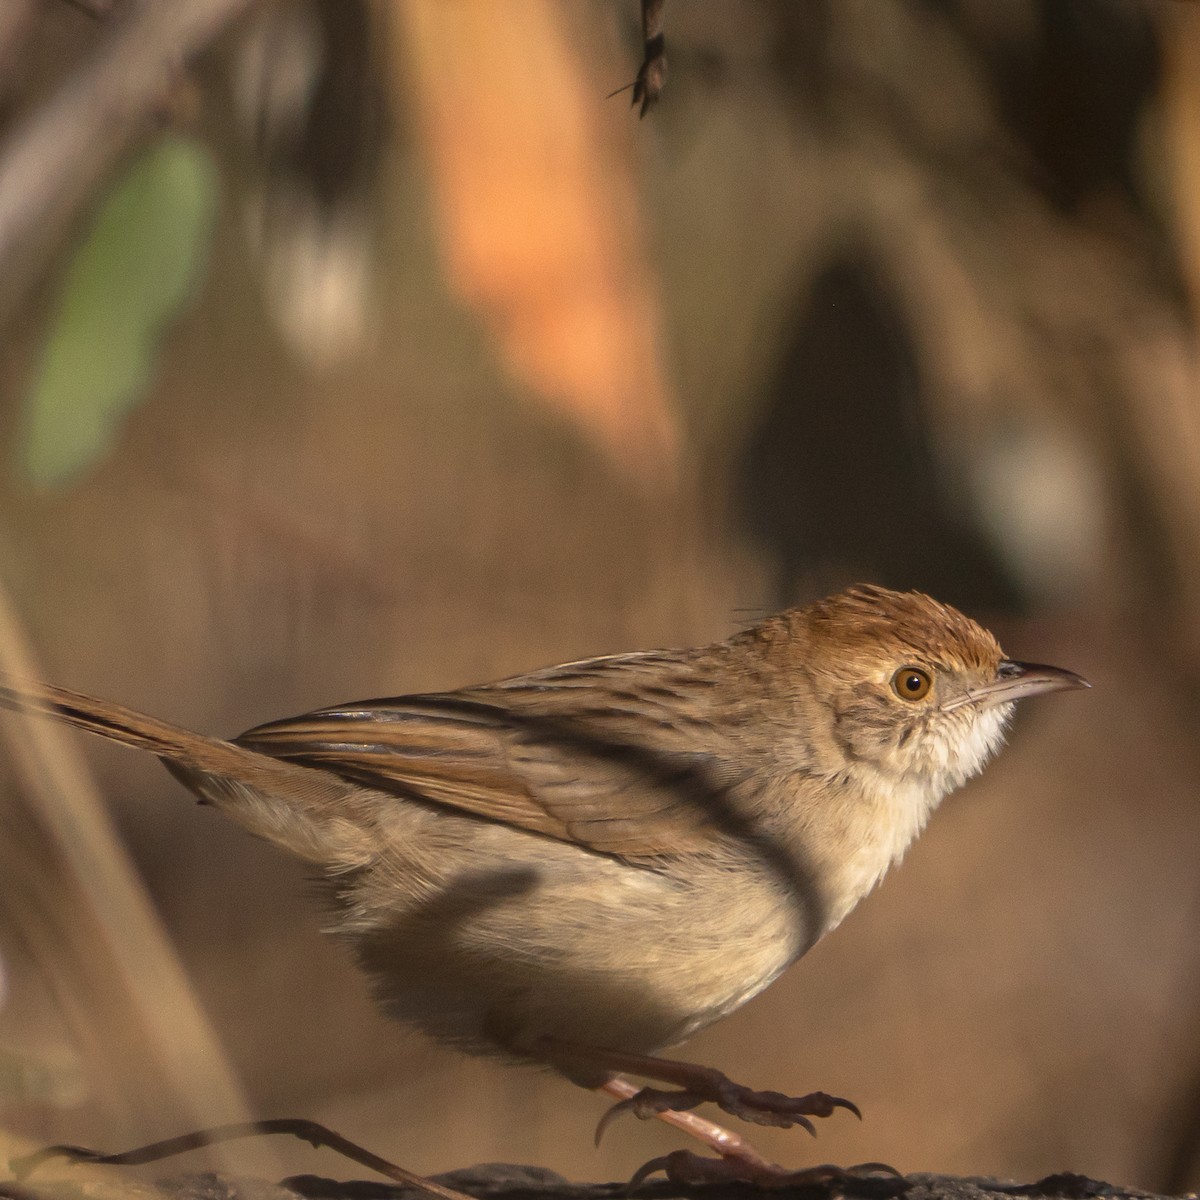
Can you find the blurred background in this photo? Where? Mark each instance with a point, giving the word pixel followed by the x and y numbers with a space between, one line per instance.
pixel 361 347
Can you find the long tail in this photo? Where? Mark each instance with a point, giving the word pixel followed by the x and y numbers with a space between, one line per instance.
pixel 311 812
pixel 111 721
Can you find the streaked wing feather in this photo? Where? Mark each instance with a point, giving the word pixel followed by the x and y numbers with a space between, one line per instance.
pixel 547 775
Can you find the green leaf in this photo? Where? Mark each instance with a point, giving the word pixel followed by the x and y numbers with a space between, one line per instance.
pixel 137 267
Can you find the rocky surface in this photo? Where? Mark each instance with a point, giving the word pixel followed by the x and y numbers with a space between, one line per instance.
pixel 508 1182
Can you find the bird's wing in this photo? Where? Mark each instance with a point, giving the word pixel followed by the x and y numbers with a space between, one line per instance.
pixel 548 774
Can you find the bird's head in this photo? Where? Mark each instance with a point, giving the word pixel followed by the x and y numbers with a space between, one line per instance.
pixel 916 690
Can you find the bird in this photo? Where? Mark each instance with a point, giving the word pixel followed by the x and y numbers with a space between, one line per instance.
pixel 585 865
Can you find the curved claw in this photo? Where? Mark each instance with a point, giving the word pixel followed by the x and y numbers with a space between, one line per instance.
pixel 684 1167
pixel 662 1163
pixel 647 1103
pixel 822 1105
pixel 874 1168
pixel 610 1115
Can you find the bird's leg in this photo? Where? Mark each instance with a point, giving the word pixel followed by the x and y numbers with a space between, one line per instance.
pixel 696 1085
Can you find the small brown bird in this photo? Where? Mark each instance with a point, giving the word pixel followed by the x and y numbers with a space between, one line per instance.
pixel 586 864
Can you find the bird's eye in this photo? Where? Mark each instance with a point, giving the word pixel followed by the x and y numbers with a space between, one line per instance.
pixel 911 683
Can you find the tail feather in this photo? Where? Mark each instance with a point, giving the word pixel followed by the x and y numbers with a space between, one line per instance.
pixel 309 811
pixel 181 747
pixel 103 717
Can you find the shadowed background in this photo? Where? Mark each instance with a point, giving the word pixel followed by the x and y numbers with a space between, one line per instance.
pixel 467 371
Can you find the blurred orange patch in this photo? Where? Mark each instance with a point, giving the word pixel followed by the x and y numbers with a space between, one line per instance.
pixel 539 216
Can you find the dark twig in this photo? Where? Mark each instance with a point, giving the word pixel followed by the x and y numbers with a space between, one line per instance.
pixel 652 74
pixel 309 1131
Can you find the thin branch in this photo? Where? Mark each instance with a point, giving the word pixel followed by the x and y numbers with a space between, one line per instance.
pixel 315 1134
pixel 57 155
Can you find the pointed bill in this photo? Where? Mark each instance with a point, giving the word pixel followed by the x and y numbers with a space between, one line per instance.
pixel 1017 681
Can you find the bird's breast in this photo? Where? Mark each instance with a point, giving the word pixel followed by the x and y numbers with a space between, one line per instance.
pixel 865 830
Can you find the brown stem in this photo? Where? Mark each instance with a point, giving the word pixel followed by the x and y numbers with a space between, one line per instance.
pixel 309 1131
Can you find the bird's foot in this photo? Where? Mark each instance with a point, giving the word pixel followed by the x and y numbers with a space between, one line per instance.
pixel 692 1085
pixel 738 1160
pixel 695 1084
pixel 703 1084
pixel 684 1167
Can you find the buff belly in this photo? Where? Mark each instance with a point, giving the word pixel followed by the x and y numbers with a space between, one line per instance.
pixel 493 949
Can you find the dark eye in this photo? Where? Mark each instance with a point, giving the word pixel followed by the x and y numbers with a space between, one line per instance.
pixel 911 683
